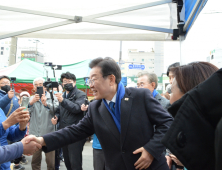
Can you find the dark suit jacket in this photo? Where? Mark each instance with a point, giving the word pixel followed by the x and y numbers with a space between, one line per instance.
pixel 191 136
pixel 139 112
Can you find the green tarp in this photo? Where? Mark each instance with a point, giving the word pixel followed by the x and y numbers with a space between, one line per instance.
pixel 26 71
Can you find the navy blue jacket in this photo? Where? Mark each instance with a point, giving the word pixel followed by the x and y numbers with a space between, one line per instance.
pixel 139 113
pixel 5 102
pixel 13 134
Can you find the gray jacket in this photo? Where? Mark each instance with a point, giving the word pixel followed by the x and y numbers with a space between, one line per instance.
pixel 163 101
pixel 40 121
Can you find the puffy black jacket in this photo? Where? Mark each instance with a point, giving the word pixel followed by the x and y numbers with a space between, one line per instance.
pixel 69 110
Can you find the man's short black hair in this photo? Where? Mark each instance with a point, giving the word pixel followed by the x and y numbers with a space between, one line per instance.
pixel 108 66
pixel 68 75
pixel 6 77
pixel 177 64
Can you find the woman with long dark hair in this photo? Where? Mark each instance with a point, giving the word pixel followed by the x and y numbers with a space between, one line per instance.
pixel 186 78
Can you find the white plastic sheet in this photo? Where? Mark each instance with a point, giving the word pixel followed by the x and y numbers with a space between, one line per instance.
pixel 162 16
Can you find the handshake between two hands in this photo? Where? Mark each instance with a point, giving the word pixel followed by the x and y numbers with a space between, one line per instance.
pixel 32 144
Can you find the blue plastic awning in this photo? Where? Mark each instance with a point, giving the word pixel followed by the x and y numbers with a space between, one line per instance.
pixel 191 5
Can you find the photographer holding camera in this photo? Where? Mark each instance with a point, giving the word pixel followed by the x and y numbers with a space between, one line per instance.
pixel 41 111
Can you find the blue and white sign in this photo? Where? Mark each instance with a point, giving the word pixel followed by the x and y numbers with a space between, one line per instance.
pixel 137 67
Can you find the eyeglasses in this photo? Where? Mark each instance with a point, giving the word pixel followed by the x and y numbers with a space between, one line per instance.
pixel 141 85
pixel 65 82
pixel 91 81
pixel 4 83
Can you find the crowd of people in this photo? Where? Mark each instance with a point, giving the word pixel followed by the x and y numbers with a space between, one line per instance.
pixel 132 128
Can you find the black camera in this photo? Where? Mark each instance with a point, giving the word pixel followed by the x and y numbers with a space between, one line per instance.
pixel 13 79
pixel 51 84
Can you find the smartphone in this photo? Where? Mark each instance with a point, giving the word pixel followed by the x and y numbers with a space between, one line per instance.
pixel 25 102
pixel 39 91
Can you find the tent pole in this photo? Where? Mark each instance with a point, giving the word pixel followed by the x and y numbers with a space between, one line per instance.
pixel 193 12
pixel 54 15
pixel 120 53
pixel 133 8
pixel 13 50
pixel 36 29
pixel 182 47
pixel 125 25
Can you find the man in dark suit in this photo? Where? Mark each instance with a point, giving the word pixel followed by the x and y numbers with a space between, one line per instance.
pixel 123 120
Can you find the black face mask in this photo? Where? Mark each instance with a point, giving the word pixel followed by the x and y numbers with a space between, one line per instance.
pixel 6 88
pixel 69 87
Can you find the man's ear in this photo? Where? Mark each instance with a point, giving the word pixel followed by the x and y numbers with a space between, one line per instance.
pixel 112 79
pixel 153 84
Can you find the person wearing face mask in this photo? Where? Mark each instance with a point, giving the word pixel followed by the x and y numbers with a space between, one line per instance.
pixel 69 113
pixel 42 111
pixel 8 100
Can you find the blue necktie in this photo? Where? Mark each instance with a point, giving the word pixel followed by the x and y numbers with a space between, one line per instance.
pixel 112 107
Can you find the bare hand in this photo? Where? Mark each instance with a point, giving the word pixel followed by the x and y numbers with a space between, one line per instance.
pixel 43 100
pixel 174 158
pixel 11 94
pixel 17 116
pixel 23 123
pixel 31 147
pixel 59 97
pixel 54 120
pixel 83 107
pixel 169 161
pixel 34 99
pixel 39 140
pixel 145 160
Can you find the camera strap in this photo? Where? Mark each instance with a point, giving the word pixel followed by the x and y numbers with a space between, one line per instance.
pixel 10 109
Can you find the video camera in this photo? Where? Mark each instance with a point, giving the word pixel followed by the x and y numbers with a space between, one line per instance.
pixel 51 84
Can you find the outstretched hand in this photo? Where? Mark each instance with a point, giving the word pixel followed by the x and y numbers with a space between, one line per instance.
pixel 145 159
pixel 39 140
pixel 30 145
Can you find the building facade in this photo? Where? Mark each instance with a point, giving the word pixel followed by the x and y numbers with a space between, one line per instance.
pixel 140 60
pixel 216 57
pixel 4 52
pixel 159 58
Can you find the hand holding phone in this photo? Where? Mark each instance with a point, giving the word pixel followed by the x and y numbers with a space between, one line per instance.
pixel 25 102
pixel 39 91
pixel 34 99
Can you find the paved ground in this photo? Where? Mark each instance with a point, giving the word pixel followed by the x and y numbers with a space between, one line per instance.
pixel 87 159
